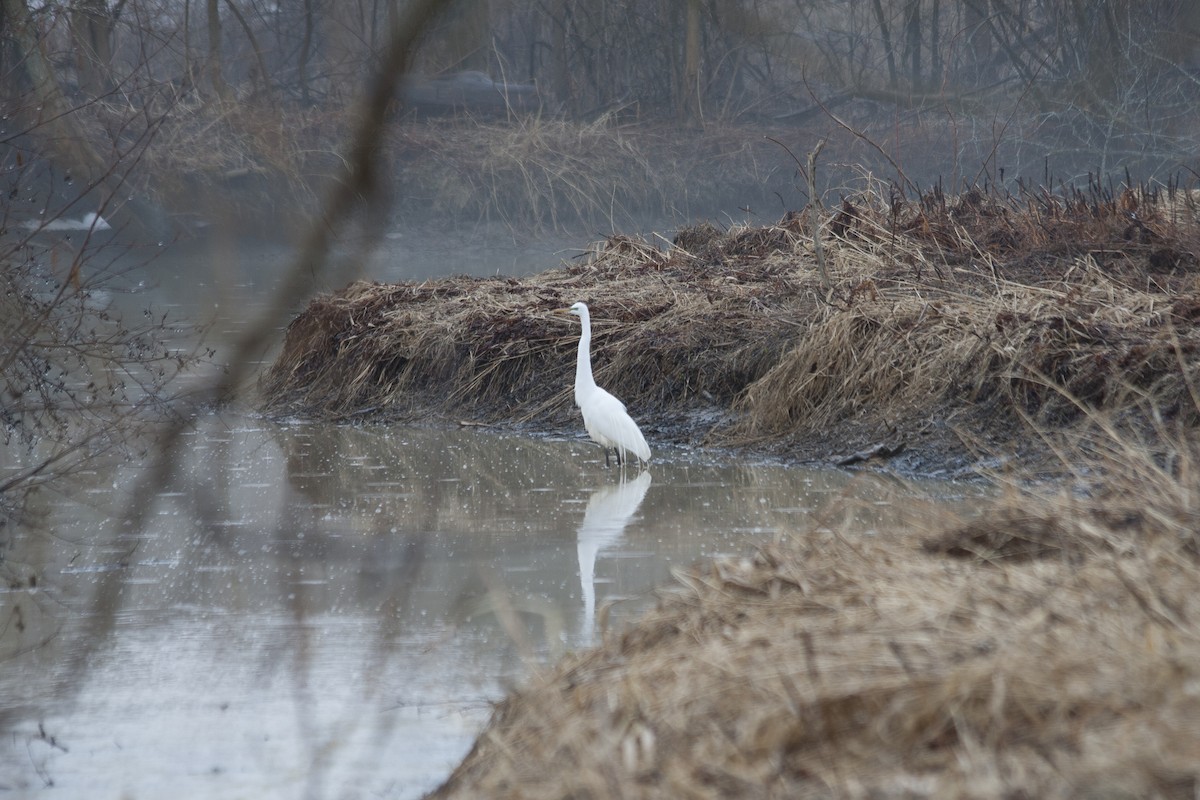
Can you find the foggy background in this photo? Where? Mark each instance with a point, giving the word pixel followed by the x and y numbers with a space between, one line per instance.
pixel 583 116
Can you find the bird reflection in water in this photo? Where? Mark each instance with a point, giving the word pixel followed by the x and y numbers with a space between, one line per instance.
pixel 608 512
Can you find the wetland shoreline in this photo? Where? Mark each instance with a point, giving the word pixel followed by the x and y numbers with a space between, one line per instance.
pixel 951 335
pixel 1044 647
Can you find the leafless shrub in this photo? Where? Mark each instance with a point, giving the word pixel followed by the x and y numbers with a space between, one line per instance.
pixel 79 377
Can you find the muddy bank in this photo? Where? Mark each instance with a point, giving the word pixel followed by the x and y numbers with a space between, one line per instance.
pixel 951 333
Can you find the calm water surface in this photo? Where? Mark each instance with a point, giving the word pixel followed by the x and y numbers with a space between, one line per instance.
pixel 319 611
pixel 316 611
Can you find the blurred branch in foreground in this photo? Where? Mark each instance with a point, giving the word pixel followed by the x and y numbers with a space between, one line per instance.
pixel 357 187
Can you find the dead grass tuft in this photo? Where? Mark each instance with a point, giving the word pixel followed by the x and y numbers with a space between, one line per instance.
pixel 1012 535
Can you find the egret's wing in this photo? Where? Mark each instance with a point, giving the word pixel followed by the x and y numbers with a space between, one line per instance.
pixel 609 423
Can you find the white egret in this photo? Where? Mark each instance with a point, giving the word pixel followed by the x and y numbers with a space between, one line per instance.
pixel 604 416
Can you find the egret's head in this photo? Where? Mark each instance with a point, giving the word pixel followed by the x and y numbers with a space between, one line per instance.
pixel 579 310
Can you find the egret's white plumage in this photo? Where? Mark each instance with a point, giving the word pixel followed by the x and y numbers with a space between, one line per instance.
pixel 604 416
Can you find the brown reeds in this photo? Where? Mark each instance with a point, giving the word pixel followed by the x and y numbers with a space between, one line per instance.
pixel 1045 648
pixel 968 315
pixel 665 337
pixel 1054 353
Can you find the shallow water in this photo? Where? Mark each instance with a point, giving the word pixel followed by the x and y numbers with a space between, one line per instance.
pixel 319 611
pixel 329 611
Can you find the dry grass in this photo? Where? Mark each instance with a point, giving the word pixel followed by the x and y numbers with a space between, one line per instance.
pixel 903 664
pixel 968 317
pixel 250 167
pixel 1054 352
pixel 528 174
pixel 492 348
pixel 534 173
pixel 257 166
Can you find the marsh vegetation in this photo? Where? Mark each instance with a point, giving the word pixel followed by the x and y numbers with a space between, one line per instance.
pixel 950 326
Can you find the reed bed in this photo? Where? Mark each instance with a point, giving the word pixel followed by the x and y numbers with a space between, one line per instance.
pixel 969 317
pixel 535 173
pixel 493 349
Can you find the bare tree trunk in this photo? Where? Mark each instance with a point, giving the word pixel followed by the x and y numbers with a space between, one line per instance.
pixel 215 77
pixel 912 46
pixel 468 35
pixel 978 39
pixel 65 137
pixel 264 74
pixel 1008 41
pixel 91 35
pixel 936 79
pixel 189 77
pixel 692 112
pixel 562 75
pixel 305 51
pixel 889 49
pixel 56 125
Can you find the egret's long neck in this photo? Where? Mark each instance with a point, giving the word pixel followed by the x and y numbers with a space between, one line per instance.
pixel 583 363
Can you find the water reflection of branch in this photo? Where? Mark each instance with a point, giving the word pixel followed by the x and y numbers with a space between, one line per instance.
pixel 505 605
pixel 359 183
pixel 608 512
pixel 450 479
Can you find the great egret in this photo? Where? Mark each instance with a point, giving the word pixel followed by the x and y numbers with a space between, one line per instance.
pixel 604 416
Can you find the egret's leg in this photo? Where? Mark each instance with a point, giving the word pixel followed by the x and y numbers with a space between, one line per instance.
pixel 605 456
